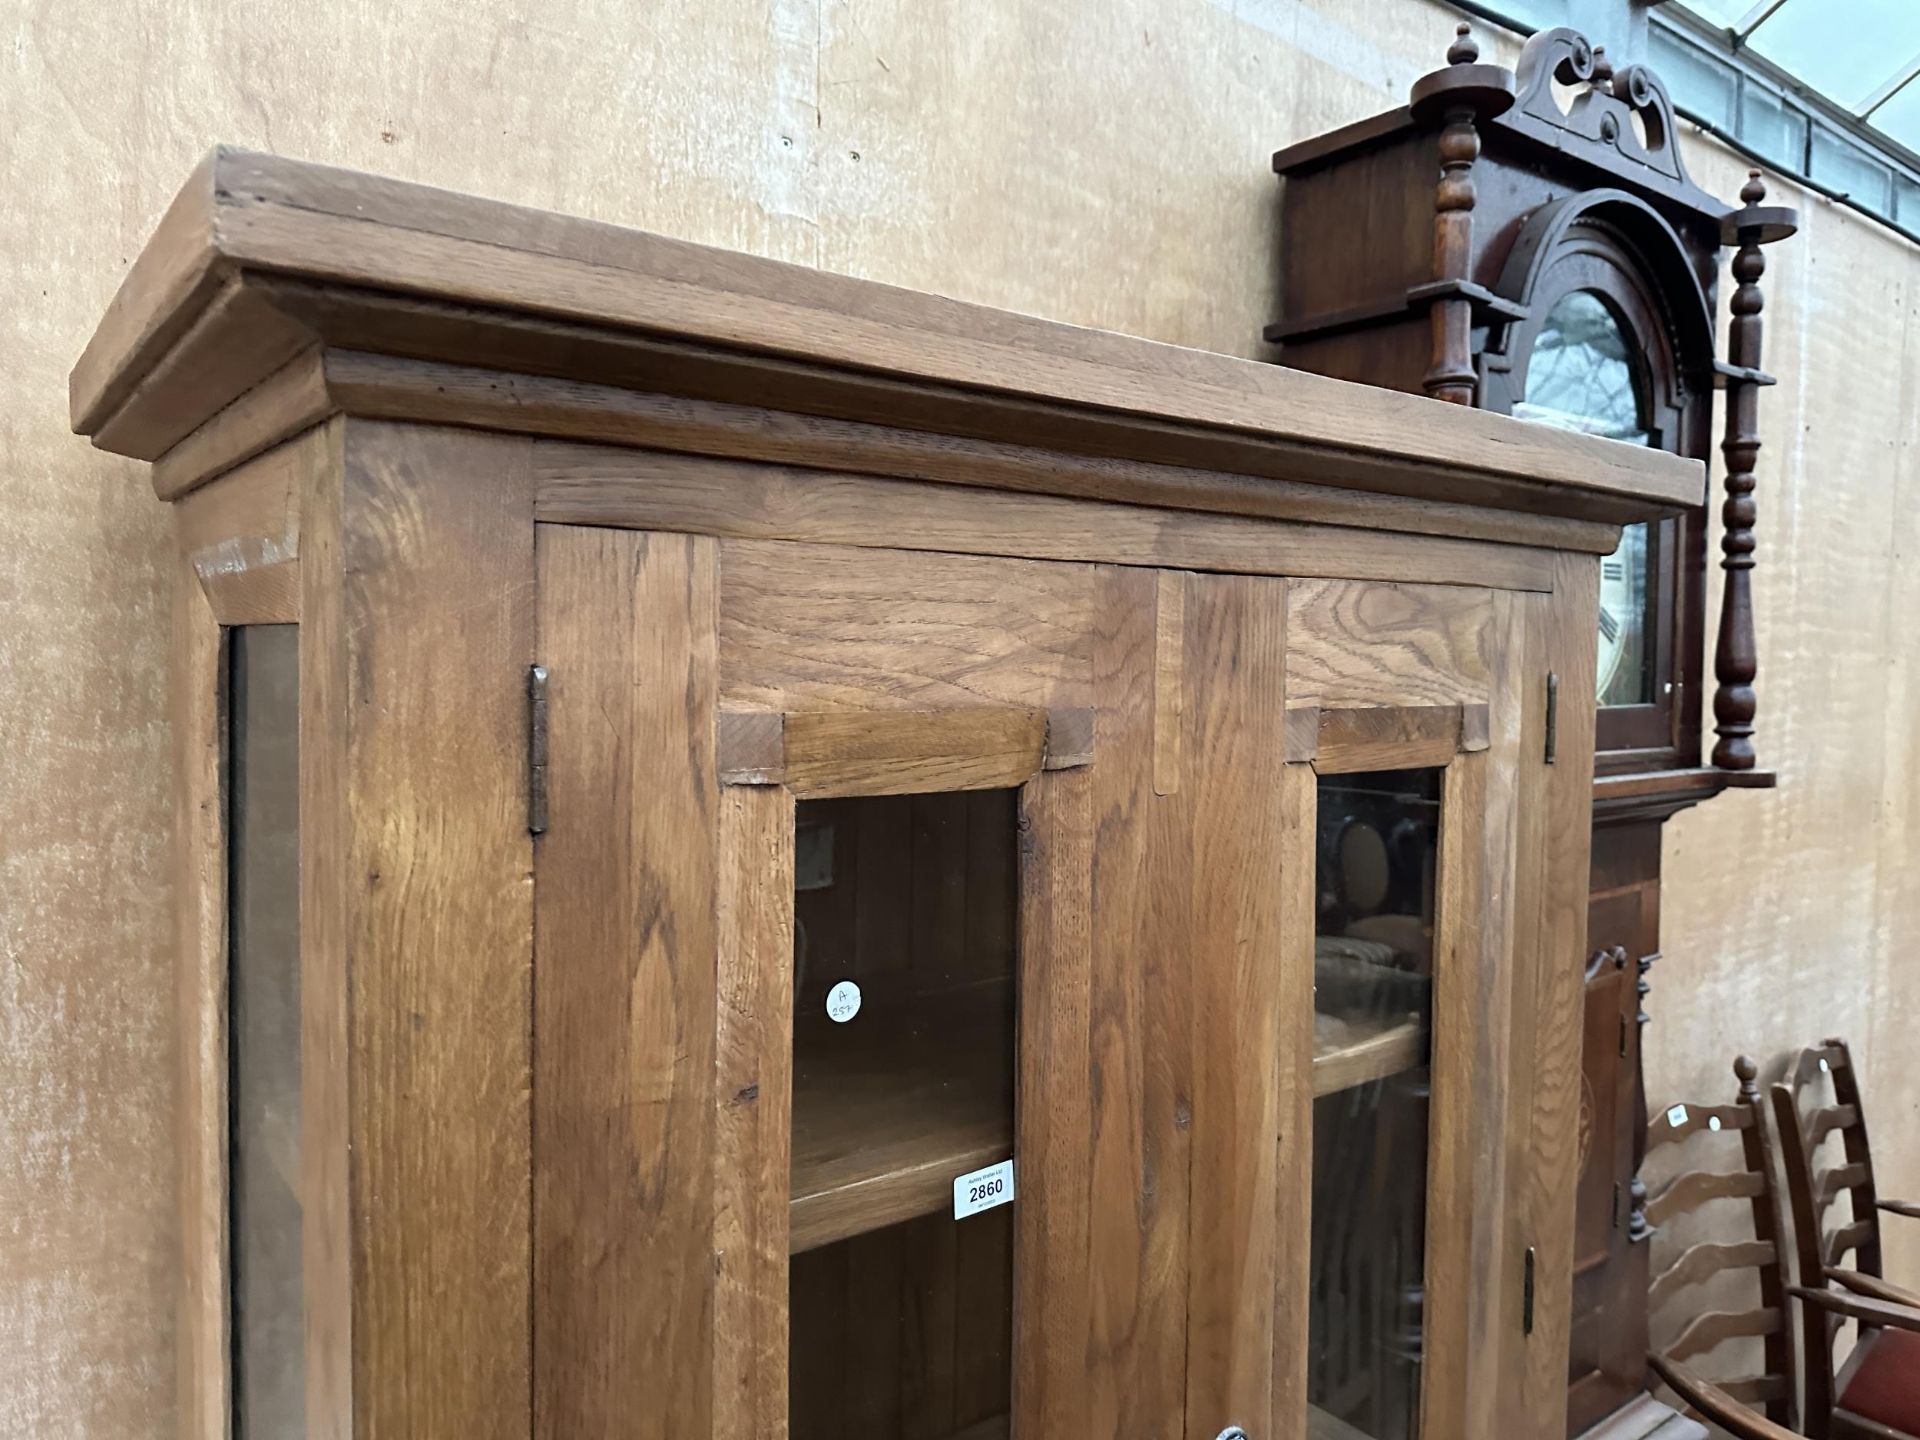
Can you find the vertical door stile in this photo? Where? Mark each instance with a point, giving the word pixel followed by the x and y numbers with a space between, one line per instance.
pixel 1054 1100
pixel 1234 715
pixel 1566 641
pixel 1456 1180
pixel 625 996
pixel 1468 1264
pixel 753 1109
pixel 1500 957
pixel 1130 1158
pixel 1293 1168
pixel 416 931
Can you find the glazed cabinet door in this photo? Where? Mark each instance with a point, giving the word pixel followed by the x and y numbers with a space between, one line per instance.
pixel 1429 1064
pixel 908 1004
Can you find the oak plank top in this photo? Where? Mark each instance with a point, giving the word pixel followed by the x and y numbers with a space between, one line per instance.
pixel 259 221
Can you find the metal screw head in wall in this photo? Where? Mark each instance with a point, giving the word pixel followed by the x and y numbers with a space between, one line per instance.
pixel 1232 1432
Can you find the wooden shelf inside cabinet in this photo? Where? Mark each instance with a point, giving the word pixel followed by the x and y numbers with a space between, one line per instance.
pixel 1324 1426
pixel 1372 1052
pixel 882 1126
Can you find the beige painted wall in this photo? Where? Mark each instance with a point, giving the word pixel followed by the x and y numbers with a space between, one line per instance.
pixel 1099 163
pixel 1794 914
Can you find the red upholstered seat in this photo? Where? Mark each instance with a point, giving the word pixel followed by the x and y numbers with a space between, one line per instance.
pixel 1886 1383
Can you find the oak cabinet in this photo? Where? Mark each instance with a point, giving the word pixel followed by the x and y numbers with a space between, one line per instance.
pixel 754 766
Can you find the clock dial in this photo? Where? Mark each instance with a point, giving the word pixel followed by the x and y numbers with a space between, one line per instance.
pixel 1583 375
pixel 1624 671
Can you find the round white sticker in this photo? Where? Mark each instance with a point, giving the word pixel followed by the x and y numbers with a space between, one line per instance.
pixel 843 1002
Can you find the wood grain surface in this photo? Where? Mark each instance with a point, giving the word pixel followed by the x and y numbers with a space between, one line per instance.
pixel 1558 638
pixel 1233 717
pixel 241 534
pixel 802 626
pixel 417 934
pixel 197 697
pixel 894 752
pixel 626 1006
pixel 593 485
pixel 1361 645
pixel 752 1099
pixel 263 212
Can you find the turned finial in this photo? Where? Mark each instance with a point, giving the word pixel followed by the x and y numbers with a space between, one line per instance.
pixel 1455 99
pixel 1755 190
pixel 1747 1072
pixel 1602 77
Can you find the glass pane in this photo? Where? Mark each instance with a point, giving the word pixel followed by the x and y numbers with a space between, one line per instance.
pixel 1773 128
pixel 1697 81
pixel 1583 375
pixel 1846 167
pixel 905 936
pixel 1907 203
pixel 1378 840
pixel 263 1022
pixel 1625 651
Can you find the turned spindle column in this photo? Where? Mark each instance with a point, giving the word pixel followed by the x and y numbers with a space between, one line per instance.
pixel 1736 658
pixel 1463 94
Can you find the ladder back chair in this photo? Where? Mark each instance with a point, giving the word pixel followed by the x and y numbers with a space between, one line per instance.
pixel 1875 1390
pixel 1757 1406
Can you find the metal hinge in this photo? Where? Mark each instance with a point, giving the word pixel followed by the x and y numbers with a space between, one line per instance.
pixel 1526 1297
pixel 537 750
pixel 1553 715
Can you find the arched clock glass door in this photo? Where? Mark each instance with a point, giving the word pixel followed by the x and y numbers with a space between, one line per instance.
pixel 1585 375
pixel 1596 356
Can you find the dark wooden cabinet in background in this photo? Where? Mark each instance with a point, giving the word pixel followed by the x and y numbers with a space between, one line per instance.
pixel 1182 762
pixel 1529 242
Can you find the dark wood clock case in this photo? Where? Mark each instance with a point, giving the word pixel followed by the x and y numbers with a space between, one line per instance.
pixel 1425 249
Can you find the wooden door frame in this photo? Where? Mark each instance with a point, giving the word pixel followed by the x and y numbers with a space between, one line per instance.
pixel 1475 748
pixel 1186 675
pixel 1506 1075
pixel 235 562
pixel 767 761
